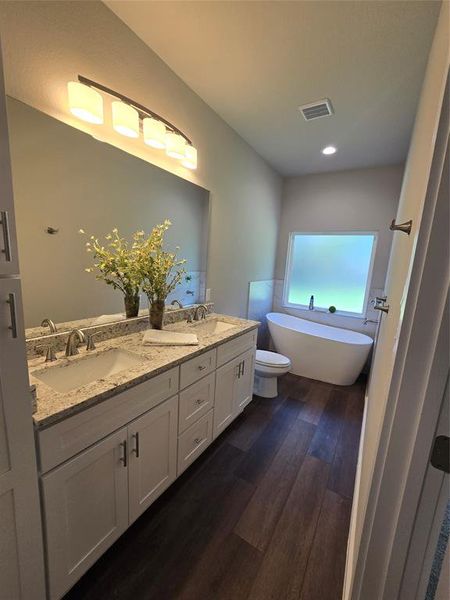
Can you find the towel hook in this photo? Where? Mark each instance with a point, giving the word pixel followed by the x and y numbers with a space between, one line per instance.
pixel 405 227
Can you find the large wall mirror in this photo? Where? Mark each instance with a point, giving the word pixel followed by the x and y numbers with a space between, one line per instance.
pixel 66 180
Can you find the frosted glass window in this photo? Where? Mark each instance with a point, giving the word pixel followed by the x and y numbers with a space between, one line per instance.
pixel 334 268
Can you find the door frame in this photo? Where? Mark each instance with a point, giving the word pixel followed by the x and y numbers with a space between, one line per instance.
pixel 430 515
pixel 415 396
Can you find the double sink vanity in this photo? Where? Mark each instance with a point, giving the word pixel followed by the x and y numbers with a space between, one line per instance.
pixel 116 425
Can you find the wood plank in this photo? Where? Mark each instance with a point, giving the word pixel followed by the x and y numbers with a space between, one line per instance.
pixel 182 563
pixel 262 452
pixel 282 570
pixel 294 386
pixel 226 571
pixel 324 442
pixel 315 402
pixel 325 571
pixel 261 515
pixel 247 428
pixel 343 470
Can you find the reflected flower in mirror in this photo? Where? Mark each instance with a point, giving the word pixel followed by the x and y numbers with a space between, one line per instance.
pixel 116 263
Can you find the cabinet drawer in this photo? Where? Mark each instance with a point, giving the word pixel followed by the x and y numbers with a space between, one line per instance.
pixel 196 368
pixel 230 350
pixel 194 441
pixel 65 439
pixel 195 401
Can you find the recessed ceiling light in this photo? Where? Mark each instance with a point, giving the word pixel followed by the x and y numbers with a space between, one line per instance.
pixel 329 150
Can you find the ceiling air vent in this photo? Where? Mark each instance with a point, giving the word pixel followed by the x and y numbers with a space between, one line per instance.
pixel 316 110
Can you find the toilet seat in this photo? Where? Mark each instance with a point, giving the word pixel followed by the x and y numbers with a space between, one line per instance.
pixel 273 360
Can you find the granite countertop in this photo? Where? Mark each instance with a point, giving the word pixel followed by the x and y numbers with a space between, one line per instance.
pixel 54 406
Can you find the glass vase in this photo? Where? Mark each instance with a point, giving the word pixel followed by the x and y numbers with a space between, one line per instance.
pixel 131 302
pixel 157 314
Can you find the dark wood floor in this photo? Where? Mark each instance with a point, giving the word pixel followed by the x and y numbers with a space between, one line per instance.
pixel 263 514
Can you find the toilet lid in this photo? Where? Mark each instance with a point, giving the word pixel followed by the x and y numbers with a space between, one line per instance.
pixel 271 359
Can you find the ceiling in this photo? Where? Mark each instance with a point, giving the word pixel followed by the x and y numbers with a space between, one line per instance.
pixel 255 62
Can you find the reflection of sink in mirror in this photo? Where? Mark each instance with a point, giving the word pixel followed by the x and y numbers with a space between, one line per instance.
pixel 214 326
pixel 87 370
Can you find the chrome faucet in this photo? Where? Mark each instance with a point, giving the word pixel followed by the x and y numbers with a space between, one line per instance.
pixel 200 308
pixel 50 354
pixel 75 337
pixel 49 323
pixel 177 302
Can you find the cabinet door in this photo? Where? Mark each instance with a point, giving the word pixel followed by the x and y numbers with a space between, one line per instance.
pixel 244 383
pixel 9 264
pixel 20 514
pixel 86 509
pixel 153 455
pixel 224 402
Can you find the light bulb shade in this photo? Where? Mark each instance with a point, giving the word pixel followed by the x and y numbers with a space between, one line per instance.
pixel 125 119
pixel 85 102
pixel 154 133
pixel 190 157
pixel 175 145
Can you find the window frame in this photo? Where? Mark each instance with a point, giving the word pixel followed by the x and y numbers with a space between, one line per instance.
pixel 287 273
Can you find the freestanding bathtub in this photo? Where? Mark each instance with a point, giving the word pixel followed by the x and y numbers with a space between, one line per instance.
pixel 319 351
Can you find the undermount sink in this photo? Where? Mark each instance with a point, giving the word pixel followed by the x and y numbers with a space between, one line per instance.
pixel 90 368
pixel 214 326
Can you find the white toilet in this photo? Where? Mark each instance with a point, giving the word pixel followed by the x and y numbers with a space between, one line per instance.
pixel 269 366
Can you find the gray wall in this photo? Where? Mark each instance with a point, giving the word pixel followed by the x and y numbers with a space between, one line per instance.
pixel 47 44
pixel 357 200
pixel 66 179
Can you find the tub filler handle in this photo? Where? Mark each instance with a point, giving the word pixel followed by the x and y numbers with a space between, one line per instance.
pixel 380 304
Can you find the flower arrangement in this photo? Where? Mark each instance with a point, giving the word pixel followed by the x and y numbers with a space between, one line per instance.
pixel 143 263
pixel 160 271
pixel 116 264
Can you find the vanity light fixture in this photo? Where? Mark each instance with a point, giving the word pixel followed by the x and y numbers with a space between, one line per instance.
pixel 129 118
pixel 85 102
pixel 125 119
pixel 175 145
pixel 328 150
pixel 190 157
pixel 154 133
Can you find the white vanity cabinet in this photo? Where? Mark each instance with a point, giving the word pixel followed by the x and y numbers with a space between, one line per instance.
pixel 234 385
pixel 152 441
pixel 90 500
pixel 85 509
pixel 244 384
pixel 103 467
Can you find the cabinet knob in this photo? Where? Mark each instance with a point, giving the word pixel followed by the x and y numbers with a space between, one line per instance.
pixel 197 441
pixel 202 367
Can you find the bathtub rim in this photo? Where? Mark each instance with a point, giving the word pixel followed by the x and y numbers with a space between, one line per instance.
pixel 367 342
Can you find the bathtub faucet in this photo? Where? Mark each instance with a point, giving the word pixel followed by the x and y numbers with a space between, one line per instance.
pixel 370 321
